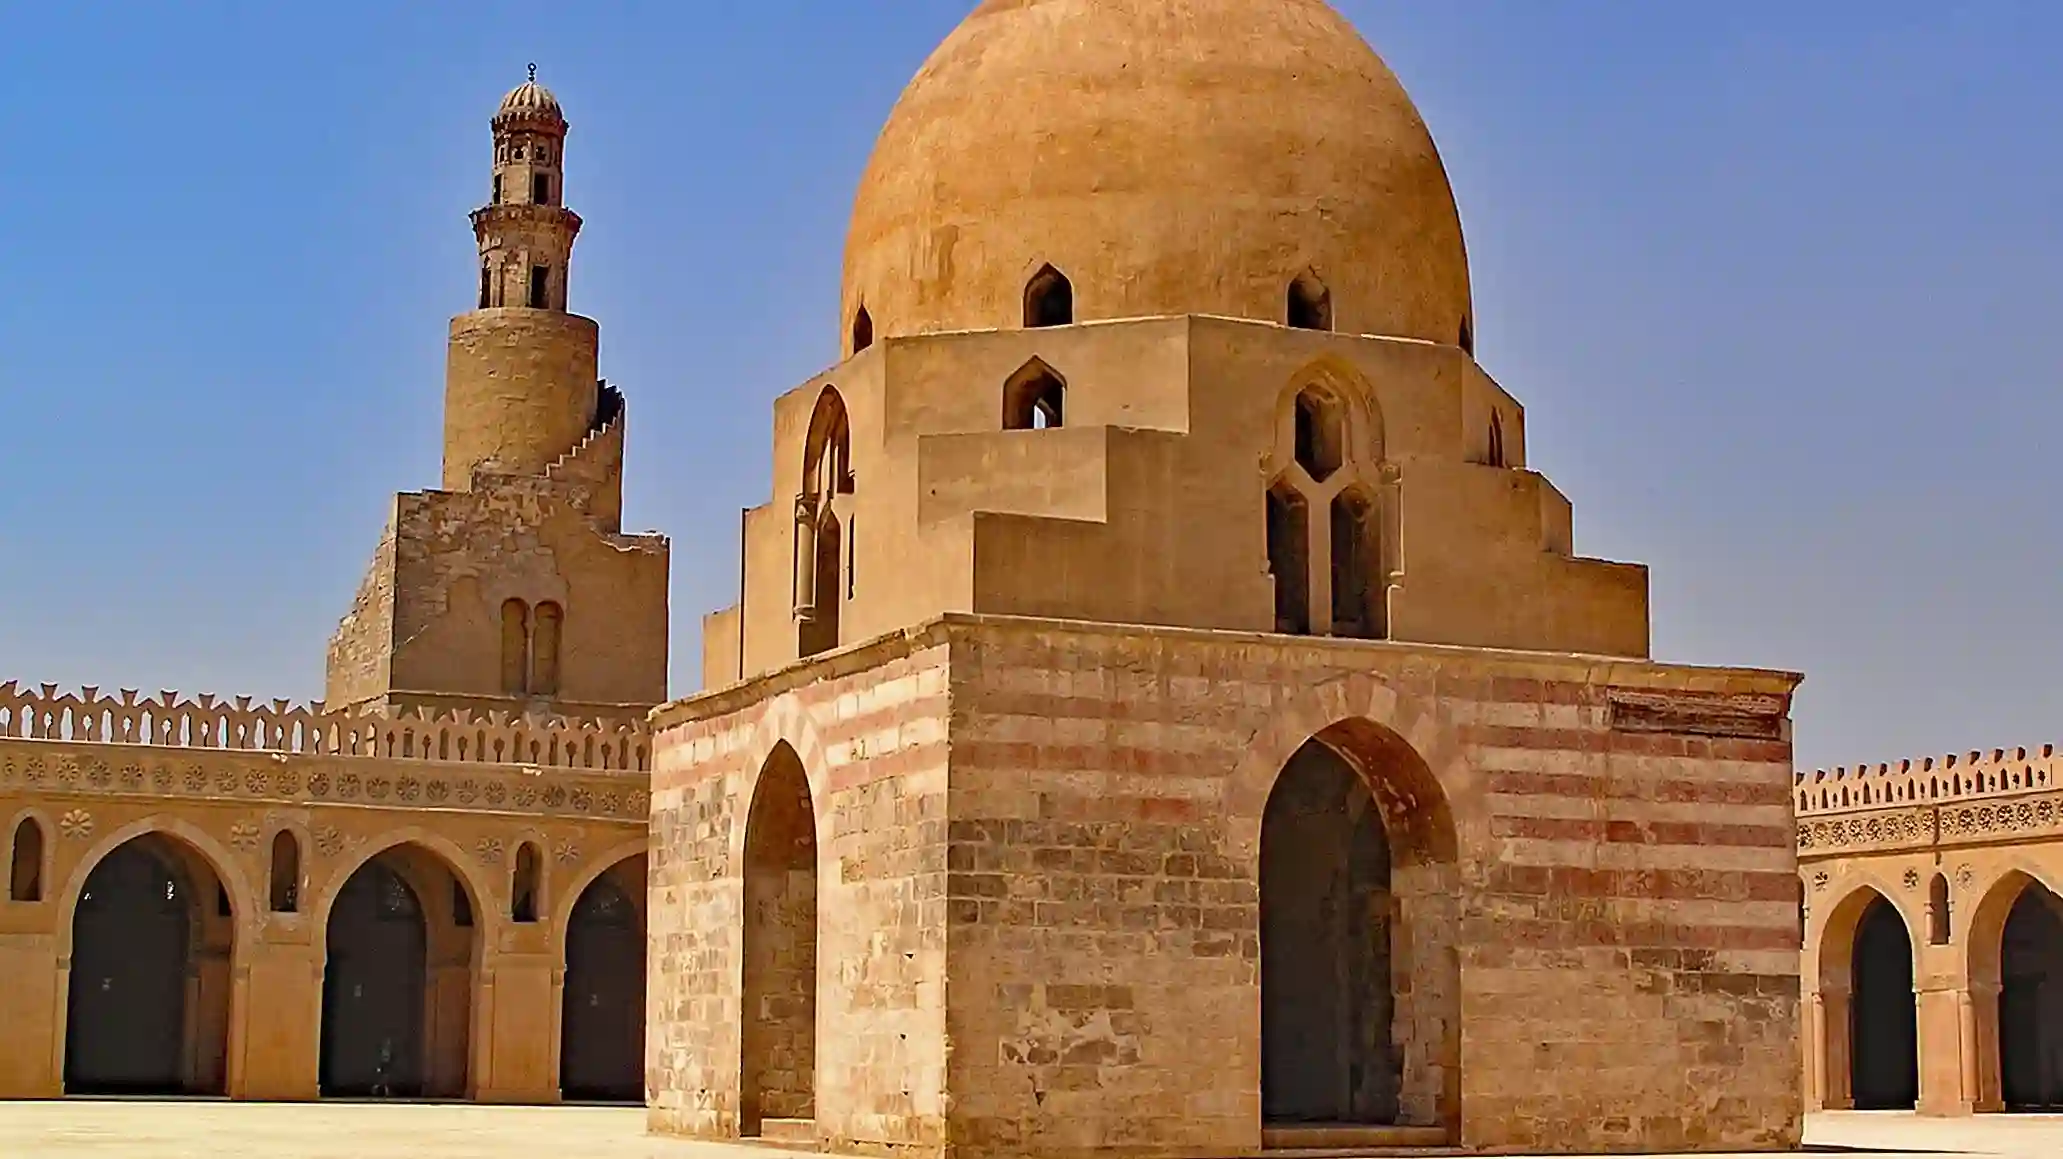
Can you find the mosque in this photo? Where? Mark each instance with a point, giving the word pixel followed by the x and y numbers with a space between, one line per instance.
pixel 1162 713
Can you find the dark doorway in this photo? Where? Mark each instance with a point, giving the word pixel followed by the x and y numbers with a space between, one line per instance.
pixel 372 988
pixel 1885 1029
pixel 780 948
pixel 148 1008
pixel 2031 1003
pixel 1327 1051
pixel 397 989
pixel 602 1033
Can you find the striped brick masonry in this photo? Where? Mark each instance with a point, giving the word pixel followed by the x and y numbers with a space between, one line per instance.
pixel 1037 852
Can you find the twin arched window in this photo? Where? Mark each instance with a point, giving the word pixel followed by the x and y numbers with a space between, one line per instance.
pixel 1326 545
pixel 824 552
pixel 530 641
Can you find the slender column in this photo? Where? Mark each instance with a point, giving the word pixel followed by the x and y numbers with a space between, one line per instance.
pixel 1839 1091
pixel 1984 1028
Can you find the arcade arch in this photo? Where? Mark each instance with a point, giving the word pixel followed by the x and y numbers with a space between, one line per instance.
pixel 153 935
pixel 2016 955
pixel 402 950
pixel 602 1022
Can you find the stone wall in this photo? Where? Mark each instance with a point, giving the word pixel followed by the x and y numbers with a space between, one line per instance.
pixel 1596 942
pixel 870 738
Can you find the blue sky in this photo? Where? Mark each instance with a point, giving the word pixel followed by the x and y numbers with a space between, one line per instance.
pixel 1776 281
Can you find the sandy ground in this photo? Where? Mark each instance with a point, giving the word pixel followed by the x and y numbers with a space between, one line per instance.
pixel 217 1130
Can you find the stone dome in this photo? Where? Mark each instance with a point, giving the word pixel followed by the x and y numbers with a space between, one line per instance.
pixel 1166 156
pixel 530 101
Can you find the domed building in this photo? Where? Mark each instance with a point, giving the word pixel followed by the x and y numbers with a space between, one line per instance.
pixel 1163 713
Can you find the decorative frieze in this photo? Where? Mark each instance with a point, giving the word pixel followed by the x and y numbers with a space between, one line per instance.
pixel 89 770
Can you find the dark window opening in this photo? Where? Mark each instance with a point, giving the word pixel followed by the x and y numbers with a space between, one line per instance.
pixel 1310 303
pixel 544 650
pixel 25 873
pixel 862 330
pixel 1468 338
pixel 1033 399
pixel 486 285
pixel 1497 458
pixel 540 189
pixel 1048 300
pixel 523 898
pixel 1289 560
pixel 1320 435
pixel 1356 591
pixel 461 906
pixel 1937 911
pixel 286 873
pixel 539 275
pixel 497 189
pixel 515 647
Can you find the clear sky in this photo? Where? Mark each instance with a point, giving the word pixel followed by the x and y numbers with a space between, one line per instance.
pixel 1777 282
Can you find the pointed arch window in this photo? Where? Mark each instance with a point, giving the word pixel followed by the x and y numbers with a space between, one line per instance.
pixel 1330 509
pixel 544 649
pixel 824 510
pixel 1310 303
pixel 1937 911
pixel 1048 300
pixel 1034 398
pixel 862 330
pixel 1497 458
pixel 524 901
pixel 285 894
pixel 25 863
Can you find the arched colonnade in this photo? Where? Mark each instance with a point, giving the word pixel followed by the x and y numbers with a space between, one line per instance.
pixel 1937 994
pixel 379 977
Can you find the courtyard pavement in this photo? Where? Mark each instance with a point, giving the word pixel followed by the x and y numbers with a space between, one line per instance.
pixel 220 1130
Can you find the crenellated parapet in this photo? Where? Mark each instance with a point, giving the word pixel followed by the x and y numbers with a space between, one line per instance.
pixel 594 742
pixel 2002 772
pixel 1975 798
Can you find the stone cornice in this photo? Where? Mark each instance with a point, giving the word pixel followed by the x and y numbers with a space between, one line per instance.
pixel 1677 681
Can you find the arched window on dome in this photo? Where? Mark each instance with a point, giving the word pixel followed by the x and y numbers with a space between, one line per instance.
pixel 862 330
pixel 1310 303
pixel 1048 300
pixel 1033 398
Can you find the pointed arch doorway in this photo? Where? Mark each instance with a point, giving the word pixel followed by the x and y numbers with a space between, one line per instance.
pixel 147 1005
pixel 401 950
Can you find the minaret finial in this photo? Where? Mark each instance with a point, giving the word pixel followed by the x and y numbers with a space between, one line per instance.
pixel 533 72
